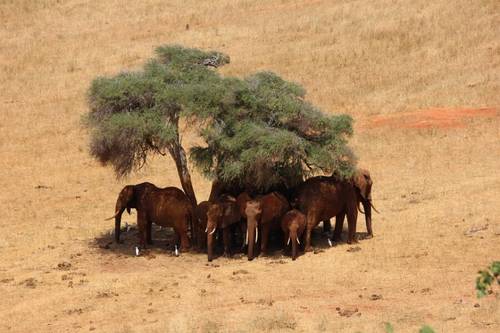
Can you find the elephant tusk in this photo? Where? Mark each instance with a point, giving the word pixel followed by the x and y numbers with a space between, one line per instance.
pixel 256 234
pixel 137 251
pixel 112 217
pixel 206 229
pixel 176 251
pixel 330 242
pixel 288 243
pixel 359 208
pixel 246 238
pixel 213 230
pixel 298 240
pixel 375 209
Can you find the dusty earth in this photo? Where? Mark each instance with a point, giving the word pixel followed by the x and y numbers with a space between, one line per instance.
pixel 421 81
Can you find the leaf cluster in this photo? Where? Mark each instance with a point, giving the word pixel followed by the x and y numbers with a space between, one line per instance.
pixel 133 114
pixel 264 134
pixel 486 278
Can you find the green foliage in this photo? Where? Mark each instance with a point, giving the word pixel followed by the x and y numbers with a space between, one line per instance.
pixel 486 278
pixel 258 131
pixel 426 329
pixel 264 134
pixel 133 114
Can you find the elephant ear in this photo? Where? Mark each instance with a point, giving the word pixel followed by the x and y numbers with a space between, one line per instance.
pixel 363 182
pixel 125 198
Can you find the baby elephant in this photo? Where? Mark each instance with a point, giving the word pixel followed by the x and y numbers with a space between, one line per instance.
pixel 293 225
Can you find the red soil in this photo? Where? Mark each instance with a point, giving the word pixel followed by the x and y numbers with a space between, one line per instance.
pixel 434 117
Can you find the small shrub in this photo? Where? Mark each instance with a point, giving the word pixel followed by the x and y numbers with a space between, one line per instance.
pixel 486 278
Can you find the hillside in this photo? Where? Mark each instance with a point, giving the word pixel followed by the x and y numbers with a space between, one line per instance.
pixel 387 63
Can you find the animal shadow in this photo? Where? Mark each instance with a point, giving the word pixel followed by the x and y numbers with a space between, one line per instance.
pixel 163 241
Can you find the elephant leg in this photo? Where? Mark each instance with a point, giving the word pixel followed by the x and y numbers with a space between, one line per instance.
pixel 327 226
pixel 142 226
pixel 184 241
pixel 339 224
pixel 149 238
pixel 243 227
pixel 265 238
pixel 310 224
pixel 226 238
pixel 183 236
pixel 352 216
pixel 368 217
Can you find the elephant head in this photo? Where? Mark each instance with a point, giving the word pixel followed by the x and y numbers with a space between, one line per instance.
pixel 293 224
pixel 126 200
pixel 253 212
pixel 220 214
pixel 363 182
pixel 214 215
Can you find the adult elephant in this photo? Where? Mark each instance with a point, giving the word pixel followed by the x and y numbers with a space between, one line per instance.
pixel 263 213
pixel 221 214
pixel 201 225
pixel 363 186
pixel 167 207
pixel 322 198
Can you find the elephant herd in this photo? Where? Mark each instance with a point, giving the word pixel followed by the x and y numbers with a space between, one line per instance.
pixel 293 213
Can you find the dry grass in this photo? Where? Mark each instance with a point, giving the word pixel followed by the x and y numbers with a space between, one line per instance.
pixel 360 57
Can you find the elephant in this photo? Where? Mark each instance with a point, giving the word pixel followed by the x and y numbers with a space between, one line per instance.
pixel 264 212
pixel 201 217
pixel 222 213
pixel 293 225
pixel 323 197
pixel 167 207
pixel 363 184
pixel 220 188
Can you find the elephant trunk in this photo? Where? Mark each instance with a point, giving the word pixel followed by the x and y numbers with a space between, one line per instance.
pixel 367 205
pixel 118 220
pixel 295 240
pixel 251 229
pixel 210 246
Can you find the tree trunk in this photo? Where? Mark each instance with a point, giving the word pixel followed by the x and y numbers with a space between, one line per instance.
pixel 179 156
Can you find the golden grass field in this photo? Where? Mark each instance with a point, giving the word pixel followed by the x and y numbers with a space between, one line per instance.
pixel 436 184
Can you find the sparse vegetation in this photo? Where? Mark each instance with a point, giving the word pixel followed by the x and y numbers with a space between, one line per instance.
pixel 424 329
pixel 487 278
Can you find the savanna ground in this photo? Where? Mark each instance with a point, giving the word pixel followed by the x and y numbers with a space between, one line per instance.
pixel 421 80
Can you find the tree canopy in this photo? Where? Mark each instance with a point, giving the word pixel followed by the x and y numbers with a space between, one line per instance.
pixel 258 131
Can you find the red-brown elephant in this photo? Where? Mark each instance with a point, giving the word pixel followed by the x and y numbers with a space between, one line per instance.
pixel 321 198
pixel 293 225
pixel 201 225
pixel 264 213
pixel 222 214
pixel 167 207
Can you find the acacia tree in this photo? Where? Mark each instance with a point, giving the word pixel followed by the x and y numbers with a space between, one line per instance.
pixel 134 114
pixel 259 131
pixel 263 134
